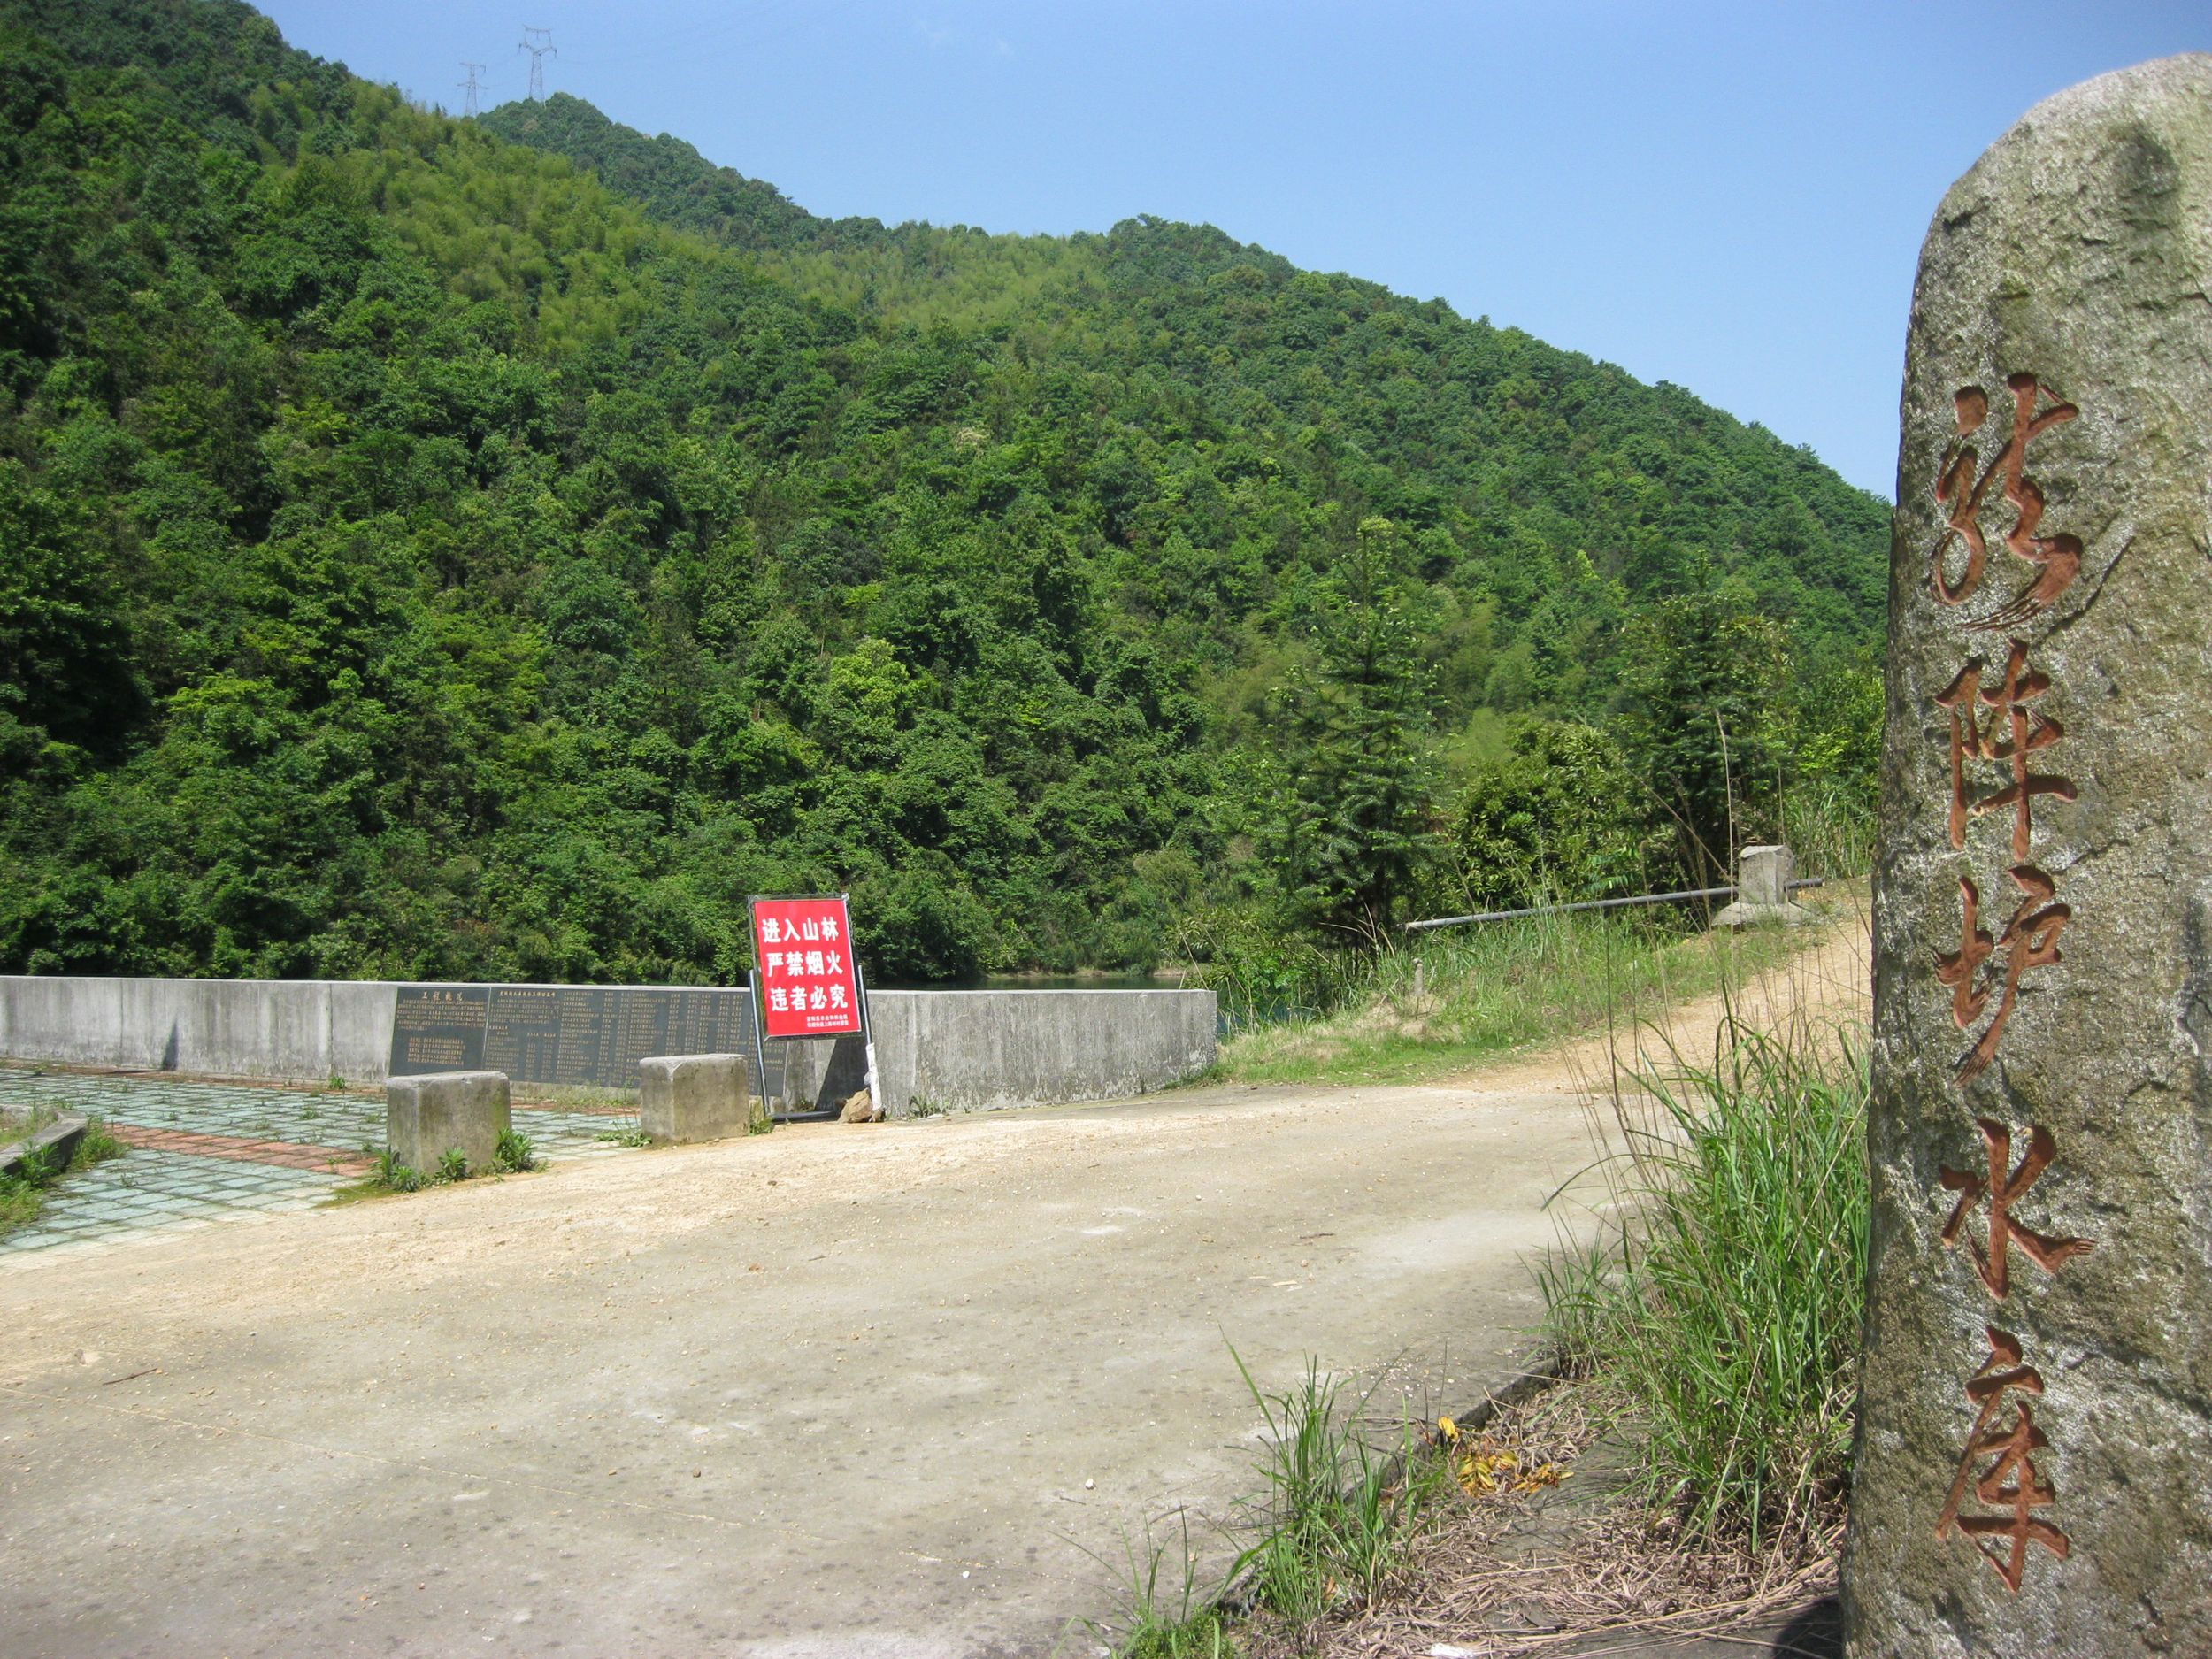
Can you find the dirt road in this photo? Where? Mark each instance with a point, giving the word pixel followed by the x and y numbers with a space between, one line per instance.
pixel 837 1391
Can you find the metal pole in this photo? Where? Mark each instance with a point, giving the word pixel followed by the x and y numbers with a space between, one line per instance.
pixel 1594 904
pixel 760 1042
pixel 867 1025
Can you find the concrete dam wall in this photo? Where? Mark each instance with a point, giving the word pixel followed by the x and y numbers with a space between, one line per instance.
pixel 960 1049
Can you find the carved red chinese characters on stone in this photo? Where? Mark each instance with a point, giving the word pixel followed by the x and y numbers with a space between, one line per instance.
pixel 1962 486
pixel 1971 739
pixel 2008 1483
pixel 2003 1191
pixel 2030 940
pixel 1999 721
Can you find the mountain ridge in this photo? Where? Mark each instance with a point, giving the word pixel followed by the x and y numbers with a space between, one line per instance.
pixel 441 559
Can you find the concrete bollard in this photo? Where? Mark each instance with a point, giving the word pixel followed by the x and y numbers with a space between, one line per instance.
pixel 684 1097
pixel 426 1116
pixel 1763 875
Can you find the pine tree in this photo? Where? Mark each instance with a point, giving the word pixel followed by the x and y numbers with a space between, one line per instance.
pixel 1356 824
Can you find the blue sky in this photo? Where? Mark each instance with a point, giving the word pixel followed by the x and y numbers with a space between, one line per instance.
pixel 1729 197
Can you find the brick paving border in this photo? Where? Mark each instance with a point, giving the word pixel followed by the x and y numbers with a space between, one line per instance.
pixel 291 1155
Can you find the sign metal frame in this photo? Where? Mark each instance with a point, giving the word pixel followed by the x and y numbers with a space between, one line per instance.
pixel 756 986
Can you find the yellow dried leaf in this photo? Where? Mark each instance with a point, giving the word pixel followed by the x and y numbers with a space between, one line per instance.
pixel 1486 1467
pixel 1543 1475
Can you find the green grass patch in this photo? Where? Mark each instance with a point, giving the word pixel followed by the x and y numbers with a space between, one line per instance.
pixel 1462 995
pixel 19 1204
pixel 23 1194
pixel 1172 1619
pixel 512 1155
pixel 1335 1518
pixel 367 1189
pixel 1724 1295
pixel 1339 1510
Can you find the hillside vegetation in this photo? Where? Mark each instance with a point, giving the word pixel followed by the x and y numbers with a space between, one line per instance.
pixel 495 549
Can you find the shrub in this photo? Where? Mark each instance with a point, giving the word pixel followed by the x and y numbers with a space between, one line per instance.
pixel 95 1145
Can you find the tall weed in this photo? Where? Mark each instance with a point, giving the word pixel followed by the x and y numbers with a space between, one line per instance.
pixel 1340 1511
pixel 1830 828
pixel 1176 1621
pixel 1724 1298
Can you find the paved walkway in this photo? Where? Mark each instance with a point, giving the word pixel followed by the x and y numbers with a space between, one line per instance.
pixel 205 1154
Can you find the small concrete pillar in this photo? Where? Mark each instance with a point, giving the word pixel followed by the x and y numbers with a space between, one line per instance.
pixel 426 1116
pixel 685 1097
pixel 1763 875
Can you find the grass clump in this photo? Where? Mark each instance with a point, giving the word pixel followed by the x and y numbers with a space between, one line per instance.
pixel 20 1202
pixel 23 1191
pixel 1175 1621
pixel 1339 1511
pixel 1335 1522
pixel 513 1154
pixel 1725 1301
pixel 629 1135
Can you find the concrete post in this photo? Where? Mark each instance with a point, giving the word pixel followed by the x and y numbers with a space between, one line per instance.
pixel 429 1116
pixel 684 1097
pixel 1763 875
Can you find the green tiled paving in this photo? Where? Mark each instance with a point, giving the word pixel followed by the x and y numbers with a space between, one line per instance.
pixel 147 1192
pixel 306 1117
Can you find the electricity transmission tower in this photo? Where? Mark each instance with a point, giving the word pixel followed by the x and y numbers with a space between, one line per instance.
pixel 472 86
pixel 538 43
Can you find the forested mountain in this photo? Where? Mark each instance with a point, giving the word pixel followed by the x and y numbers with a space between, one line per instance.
pixel 495 548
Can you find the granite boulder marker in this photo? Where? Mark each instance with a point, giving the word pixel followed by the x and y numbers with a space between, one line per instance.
pixel 2035 1461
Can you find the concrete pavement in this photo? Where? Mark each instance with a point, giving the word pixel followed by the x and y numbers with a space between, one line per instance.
pixel 837 1391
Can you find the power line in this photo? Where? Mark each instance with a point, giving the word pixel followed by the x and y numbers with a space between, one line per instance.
pixel 539 44
pixel 472 86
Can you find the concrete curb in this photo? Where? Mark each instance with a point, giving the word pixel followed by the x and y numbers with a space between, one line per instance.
pixel 59 1137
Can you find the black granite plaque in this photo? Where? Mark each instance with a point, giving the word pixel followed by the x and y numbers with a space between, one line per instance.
pixel 570 1034
pixel 438 1028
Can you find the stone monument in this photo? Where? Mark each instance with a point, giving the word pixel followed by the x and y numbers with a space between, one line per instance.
pixel 2034 1458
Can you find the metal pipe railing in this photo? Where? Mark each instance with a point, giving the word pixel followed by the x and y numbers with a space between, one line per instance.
pixel 1596 905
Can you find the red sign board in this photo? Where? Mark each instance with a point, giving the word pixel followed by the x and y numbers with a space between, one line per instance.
pixel 809 986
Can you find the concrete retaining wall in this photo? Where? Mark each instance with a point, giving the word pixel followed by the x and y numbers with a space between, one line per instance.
pixel 299 1030
pixel 955 1048
pixel 987 1048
